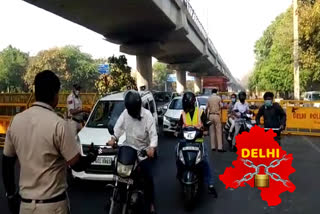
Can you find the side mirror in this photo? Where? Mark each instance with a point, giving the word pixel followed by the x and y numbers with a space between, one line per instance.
pixel 165 107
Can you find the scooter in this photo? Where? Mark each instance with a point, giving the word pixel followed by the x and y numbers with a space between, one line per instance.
pixel 189 160
pixel 246 123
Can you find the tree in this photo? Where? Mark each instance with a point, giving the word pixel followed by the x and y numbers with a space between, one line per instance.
pixel 160 75
pixel 119 77
pixel 274 60
pixel 13 64
pixel 70 65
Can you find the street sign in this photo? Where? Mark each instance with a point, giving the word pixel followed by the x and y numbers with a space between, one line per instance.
pixel 103 69
pixel 173 78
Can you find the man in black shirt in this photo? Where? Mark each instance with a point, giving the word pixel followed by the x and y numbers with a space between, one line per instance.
pixel 273 114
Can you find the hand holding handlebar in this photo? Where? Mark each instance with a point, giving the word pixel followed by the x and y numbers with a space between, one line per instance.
pixel 92 153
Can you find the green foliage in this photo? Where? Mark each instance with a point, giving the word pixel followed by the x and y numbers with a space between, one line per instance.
pixel 274 51
pixel 160 75
pixel 119 77
pixel 69 63
pixel 13 65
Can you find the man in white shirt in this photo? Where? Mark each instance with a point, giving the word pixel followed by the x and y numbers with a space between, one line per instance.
pixel 239 108
pixel 139 126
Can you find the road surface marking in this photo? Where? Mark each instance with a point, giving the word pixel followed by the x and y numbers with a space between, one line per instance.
pixel 312 144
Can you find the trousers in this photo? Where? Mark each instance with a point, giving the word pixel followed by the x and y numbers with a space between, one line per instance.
pixel 215 131
pixel 61 207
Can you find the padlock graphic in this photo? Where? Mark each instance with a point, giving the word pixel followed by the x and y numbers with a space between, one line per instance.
pixel 261 180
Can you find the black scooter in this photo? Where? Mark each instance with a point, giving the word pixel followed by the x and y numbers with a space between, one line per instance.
pixel 189 160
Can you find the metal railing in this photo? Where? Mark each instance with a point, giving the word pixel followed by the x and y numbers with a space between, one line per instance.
pixel 195 18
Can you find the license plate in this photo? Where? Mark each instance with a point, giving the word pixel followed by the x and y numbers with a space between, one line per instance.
pixel 102 160
pixel 125 180
pixel 190 148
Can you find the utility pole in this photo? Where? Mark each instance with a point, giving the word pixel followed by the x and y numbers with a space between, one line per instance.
pixel 296 51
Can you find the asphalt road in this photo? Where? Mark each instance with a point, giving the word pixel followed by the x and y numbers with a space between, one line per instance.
pixel 89 197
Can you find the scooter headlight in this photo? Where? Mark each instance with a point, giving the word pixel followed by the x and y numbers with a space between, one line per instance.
pixel 189 135
pixel 181 158
pixel 124 170
pixel 199 157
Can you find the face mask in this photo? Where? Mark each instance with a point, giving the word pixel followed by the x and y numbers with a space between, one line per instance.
pixel 268 103
pixel 233 100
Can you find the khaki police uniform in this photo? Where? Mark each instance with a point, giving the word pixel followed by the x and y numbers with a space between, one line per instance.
pixel 75 121
pixel 43 143
pixel 214 115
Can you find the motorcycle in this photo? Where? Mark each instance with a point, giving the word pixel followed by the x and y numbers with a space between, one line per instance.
pixel 189 159
pixel 128 190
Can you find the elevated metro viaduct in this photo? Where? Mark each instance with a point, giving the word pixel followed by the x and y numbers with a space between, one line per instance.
pixel 169 30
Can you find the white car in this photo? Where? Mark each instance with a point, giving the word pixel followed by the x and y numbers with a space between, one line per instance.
pixel 173 114
pixel 105 114
pixel 203 100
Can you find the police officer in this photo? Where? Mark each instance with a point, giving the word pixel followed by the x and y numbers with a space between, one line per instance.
pixel 75 111
pixel 213 109
pixel 44 145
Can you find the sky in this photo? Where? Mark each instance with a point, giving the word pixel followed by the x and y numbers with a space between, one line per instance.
pixel 232 25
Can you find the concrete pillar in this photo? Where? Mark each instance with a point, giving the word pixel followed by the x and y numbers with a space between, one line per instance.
pixel 197 84
pixel 181 81
pixel 144 67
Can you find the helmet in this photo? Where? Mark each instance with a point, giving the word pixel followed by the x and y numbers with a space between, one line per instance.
pixel 188 101
pixel 242 96
pixel 133 103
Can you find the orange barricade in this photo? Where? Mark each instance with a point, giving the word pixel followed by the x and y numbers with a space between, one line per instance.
pixel 302 117
pixel 12 104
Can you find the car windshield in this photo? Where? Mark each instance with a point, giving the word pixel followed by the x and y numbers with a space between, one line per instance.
pixel 176 104
pixel 315 97
pixel 106 114
pixel 202 100
pixel 162 97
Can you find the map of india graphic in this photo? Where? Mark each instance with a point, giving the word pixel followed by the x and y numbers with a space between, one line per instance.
pixel 259 154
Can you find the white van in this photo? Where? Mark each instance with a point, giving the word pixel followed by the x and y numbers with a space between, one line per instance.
pixel 105 114
pixel 312 96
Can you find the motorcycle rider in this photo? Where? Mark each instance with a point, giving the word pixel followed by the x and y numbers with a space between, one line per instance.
pixel 139 126
pixel 273 114
pixel 239 108
pixel 191 111
pixel 231 118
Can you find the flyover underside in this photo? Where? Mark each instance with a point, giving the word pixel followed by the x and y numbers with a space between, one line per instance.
pixel 145 27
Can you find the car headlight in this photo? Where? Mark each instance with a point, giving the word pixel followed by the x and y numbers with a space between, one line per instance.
pixel 181 158
pixel 166 118
pixel 124 170
pixel 199 157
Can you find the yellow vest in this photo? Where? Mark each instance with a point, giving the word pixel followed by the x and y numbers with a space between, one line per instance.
pixel 194 122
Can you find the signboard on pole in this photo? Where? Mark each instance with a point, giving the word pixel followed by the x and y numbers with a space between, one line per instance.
pixel 103 69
